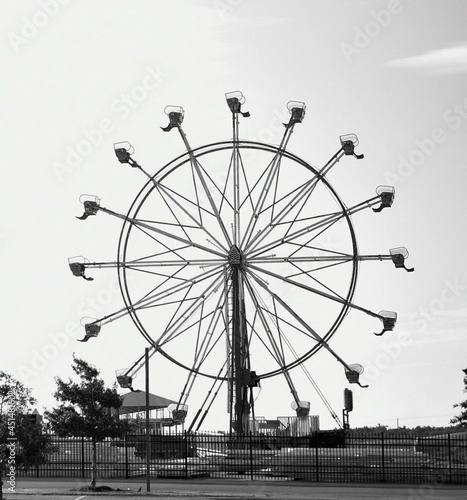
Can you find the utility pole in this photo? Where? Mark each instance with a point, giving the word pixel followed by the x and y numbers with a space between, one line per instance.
pixel 148 435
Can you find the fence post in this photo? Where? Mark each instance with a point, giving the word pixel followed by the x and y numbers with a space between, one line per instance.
pixel 383 478
pixel 83 474
pixel 126 456
pixel 317 457
pixel 186 453
pixel 449 456
pixel 251 455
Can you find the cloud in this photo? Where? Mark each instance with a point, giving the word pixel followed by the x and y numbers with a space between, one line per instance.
pixel 448 326
pixel 448 61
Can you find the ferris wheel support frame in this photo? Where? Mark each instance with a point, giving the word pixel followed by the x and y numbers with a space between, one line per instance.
pixel 237 261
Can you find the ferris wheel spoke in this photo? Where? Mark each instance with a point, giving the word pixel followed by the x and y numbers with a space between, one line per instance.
pixel 331 162
pixel 203 346
pixel 151 227
pixel 284 340
pixel 279 323
pixel 328 254
pixel 254 330
pixel 337 259
pixel 210 398
pixel 235 100
pixel 136 264
pixel 156 295
pixel 299 195
pixel 273 348
pixel 174 196
pixel 183 279
pixel 316 280
pixel 166 277
pixel 281 319
pixel 270 175
pixel 175 115
pixel 151 236
pixel 316 229
pixel 178 321
pixel 334 297
pixel 297 317
pixel 166 193
pixel 326 222
pixel 138 305
pixel 316 235
pixel 297 112
pixel 177 251
pixel 180 201
pixel 304 193
pixel 300 207
pixel 396 255
pixel 293 198
pixel 205 343
pixel 187 326
pixel 221 190
pixel 203 179
pixel 385 197
pixel 309 272
pixel 348 144
pixel 79 265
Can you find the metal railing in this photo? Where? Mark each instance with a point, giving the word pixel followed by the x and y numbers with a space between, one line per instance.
pixel 322 456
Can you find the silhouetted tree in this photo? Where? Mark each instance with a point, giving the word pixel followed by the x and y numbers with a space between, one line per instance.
pixel 461 420
pixel 22 443
pixel 86 409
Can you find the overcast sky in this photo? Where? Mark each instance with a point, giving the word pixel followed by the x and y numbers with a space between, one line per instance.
pixel 80 76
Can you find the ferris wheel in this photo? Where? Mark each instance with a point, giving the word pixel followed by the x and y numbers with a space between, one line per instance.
pixel 238 261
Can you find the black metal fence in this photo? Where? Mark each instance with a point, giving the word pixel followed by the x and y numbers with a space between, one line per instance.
pixel 325 456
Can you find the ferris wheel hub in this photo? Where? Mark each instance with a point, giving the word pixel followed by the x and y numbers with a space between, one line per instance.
pixel 235 256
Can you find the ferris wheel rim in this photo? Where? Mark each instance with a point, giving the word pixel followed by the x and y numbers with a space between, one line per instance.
pixel 178 162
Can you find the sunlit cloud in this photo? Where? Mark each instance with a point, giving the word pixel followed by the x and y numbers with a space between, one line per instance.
pixel 448 61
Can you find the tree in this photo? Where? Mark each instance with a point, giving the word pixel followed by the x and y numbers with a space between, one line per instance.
pixel 22 444
pixel 86 410
pixel 461 420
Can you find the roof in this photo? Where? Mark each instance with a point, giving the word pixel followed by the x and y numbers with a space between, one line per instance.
pixel 135 401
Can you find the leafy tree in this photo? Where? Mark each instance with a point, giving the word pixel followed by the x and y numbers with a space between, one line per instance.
pixel 22 444
pixel 461 420
pixel 86 409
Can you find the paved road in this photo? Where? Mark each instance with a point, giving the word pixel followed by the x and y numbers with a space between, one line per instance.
pixel 50 489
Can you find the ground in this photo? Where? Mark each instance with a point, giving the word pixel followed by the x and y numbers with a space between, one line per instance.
pixel 52 489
